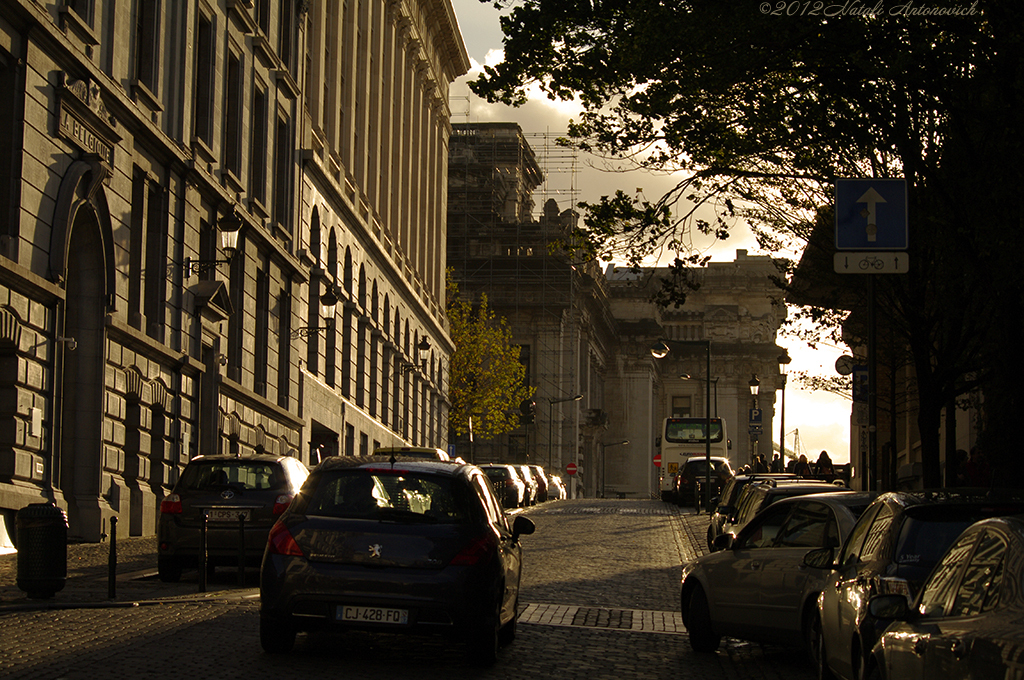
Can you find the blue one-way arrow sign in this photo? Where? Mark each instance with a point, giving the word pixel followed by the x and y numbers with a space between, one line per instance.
pixel 871 214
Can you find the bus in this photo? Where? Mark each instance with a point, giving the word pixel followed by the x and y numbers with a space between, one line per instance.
pixel 683 438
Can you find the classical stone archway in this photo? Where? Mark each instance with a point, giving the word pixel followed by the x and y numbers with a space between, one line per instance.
pixel 81 262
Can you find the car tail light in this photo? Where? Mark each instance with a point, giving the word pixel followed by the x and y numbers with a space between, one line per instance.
pixel 171 505
pixel 280 542
pixel 282 502
pixel 479 550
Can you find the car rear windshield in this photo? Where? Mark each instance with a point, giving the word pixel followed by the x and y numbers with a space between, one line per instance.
pixel 496 473
pixel 930 529
pixel 242 474
pixel 699 467
pixel 400 496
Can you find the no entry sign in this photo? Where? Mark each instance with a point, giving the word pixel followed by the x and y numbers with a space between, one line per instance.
pixel 570 469
pixel 657 460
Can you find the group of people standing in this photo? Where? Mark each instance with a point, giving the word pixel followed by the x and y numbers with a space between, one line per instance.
pixel 821 469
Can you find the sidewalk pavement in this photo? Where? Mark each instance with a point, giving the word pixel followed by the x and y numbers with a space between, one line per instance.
pixel 88 582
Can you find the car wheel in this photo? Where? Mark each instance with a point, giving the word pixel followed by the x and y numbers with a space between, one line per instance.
pixel 483 642
pixel 276 637
pixel 508 632
pixel 702 637
pixel 168 569
pixel 816 648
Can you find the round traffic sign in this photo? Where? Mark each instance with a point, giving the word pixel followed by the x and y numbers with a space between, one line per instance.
pixel 657 460
pixel 570 469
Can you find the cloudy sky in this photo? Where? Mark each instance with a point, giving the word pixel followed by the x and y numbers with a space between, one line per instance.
pixel 822 420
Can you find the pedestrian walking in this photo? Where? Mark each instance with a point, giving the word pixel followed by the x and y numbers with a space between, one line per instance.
pixel 824 468
pixel 802 467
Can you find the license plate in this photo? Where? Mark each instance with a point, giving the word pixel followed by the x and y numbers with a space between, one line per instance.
pixel 396 617
pixel 227 514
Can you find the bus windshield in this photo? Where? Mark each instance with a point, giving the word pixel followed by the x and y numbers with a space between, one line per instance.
pixel 691 430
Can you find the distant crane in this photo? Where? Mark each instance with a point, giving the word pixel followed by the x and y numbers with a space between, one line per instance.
pixel 797 449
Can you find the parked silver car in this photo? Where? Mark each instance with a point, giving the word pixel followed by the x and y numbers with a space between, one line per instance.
pixel 508 486
pixel 756 587
pixel 256 487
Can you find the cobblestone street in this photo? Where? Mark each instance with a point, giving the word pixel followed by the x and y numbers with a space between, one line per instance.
pixel 598 601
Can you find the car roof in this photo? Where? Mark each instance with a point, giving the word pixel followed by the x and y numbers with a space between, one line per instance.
pixel 703 458
pixel 449 468
pixel 245 457
pixel 967 496
pixel 840 497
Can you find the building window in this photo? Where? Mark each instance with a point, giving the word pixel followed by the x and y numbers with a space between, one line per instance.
pixel 284 345
pixel 147 43
pixel 204 80
pixel 261 13
pixel 286 37
pixel 282 172
pixel 258 148
pixel 682 407
pixel 262 332
pixel 233 116
pixel 156 260
pixel 84 9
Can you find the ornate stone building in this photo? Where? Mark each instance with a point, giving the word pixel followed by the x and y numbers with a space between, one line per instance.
pixel 588 333
pixel 182 185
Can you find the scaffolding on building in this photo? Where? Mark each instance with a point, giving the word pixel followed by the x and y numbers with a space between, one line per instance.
pixel 498 244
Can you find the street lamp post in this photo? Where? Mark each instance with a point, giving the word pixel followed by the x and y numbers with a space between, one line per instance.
pixel 755 385
pixel 783 362
pixel 604 447
pixel 659 351
pixel 551 403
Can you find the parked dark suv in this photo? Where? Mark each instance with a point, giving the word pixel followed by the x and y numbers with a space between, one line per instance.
pixel 258 487
pixel 694 472
pixel 890 551
pixel 758 495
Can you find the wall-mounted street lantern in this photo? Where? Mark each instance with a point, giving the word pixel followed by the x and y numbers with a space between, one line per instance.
pixel 229 226
pixel 328 301
pixel 423 350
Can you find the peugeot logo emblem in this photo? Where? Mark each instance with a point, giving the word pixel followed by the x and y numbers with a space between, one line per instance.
pixel 227 494
pixel 375 550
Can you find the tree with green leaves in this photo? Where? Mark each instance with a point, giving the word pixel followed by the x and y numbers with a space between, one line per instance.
pixel 759 107
pixel 487 378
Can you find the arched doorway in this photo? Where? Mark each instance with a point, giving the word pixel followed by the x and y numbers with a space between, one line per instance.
pixel 80 472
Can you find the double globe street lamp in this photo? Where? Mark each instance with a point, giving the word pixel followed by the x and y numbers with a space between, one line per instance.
pixel 660 350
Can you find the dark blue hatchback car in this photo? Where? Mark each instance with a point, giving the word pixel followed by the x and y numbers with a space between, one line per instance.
pixel 396 545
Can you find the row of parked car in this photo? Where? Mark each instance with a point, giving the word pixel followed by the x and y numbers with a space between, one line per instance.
pixel 403 541
pixel 908 584
pixel 520 486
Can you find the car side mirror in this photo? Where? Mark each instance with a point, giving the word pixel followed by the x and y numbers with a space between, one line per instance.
pixel 889 607
pixel 722 542
pixel 522 526
pixel 820 558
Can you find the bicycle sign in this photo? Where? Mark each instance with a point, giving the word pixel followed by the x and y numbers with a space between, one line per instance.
pixel 871 262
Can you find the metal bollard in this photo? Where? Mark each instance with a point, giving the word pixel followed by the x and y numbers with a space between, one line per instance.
pixel 112 561
pixel 202 551
pixel 241 549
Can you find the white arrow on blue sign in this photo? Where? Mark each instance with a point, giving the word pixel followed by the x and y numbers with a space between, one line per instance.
pixel 871 214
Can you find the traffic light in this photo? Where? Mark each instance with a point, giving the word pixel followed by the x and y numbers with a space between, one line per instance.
pixel 527 411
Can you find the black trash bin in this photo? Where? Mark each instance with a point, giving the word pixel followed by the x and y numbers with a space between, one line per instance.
pixel 42 530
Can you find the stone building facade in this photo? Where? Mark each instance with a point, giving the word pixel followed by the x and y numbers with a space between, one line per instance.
pixel 588 333
pixel 182 184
